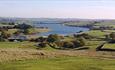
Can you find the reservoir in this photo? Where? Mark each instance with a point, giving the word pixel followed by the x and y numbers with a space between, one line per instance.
pixel 60 29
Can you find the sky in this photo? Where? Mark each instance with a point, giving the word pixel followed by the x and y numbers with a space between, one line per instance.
pixel 88 9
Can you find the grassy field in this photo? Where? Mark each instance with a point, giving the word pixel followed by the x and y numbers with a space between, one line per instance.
pixel 93 44
pixel 110 46
pixel 37 30
pixel 63 63
pixel 97 33
pixel 106 23
pixel 25 56
pixel 25 44
pixel 99 24
pixel 11 31
pixel 81 23
pixel 20 59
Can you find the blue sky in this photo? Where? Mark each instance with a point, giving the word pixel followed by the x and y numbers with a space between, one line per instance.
pixel 58 8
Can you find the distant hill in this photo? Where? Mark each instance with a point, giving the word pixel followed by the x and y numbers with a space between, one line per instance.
pixel 46 20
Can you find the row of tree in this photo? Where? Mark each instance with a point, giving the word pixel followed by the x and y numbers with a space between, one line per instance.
pixel 56 41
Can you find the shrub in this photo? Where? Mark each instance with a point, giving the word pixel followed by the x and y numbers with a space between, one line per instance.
pixel 82 41
pixel 42 45
pixel 41 39
pixel 86 36
pixel 17 32
pixel 23 26
pixel 59 44
pixel 112 35
pixel 2 39
pixel 4 35
pixel 53 38
pixel 25 31
pixel 79 42
pixel 68 44
pixel 71 44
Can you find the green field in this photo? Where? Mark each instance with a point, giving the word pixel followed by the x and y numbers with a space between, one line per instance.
pixel 36 30
pixel 97 33
pixel 25 55
pixel 25 44
pixel 63 63
pixel 111 46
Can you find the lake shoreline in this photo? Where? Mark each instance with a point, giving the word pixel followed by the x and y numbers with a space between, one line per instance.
pixel 61 29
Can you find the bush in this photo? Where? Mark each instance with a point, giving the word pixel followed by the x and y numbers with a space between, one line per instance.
pixel 17 32
pixel 41 39
pixel 4 35
pixel 42 45
pixel 53 38
pixel 23 26
pixel 79 42
pixel 112 35
pixel 82 41
pixel 86 36
pixel 24 31
pixel 59 44
pixel 71 44
pixel 68 45
pixel 2 39
pixel 110 38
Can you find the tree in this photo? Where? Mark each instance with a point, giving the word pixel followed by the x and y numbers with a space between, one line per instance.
pixel 25 31
pixel 82 41
pixel 79 42
pixel 1 39
pixel 86 36
pixel 53 38
pixel 42 45
pixel 112 35
pixel 59 44
pixel 68 44
pixel 107 37
pixel 4 34
pixel 17 32
pixel 23 26
pixel 41 39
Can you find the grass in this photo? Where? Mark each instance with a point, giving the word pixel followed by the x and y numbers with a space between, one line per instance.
pixel 37 30
pixel 11 31
pixel 48 48
pixel 109 31
pixel 81 23
pixel 110 46
pixel 62 63
pixel 93 44
pixel 107 23
pixel 100 34
pixel 23 45
pixel 96 33
pixel 17 44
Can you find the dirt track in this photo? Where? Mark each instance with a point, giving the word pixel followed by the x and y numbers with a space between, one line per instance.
pixel 23 54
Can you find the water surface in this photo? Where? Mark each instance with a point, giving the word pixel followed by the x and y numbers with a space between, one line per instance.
pixel 60 29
